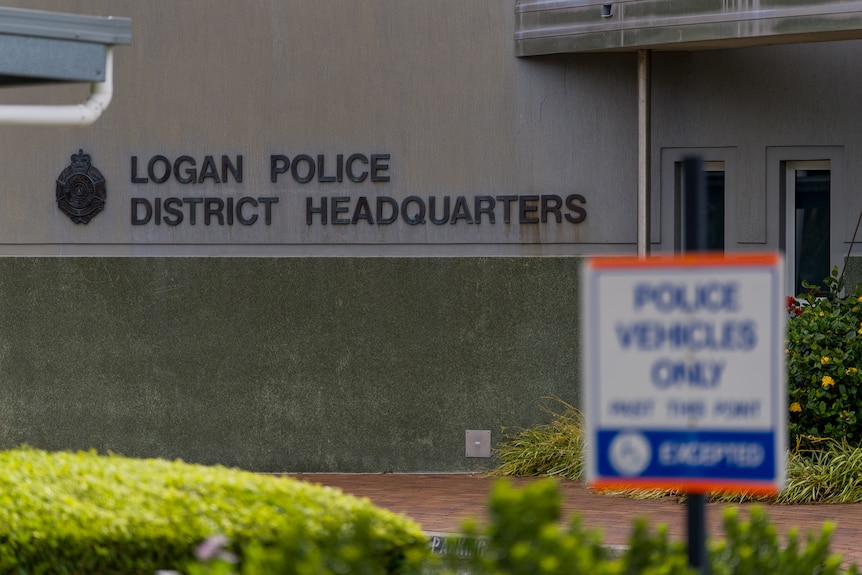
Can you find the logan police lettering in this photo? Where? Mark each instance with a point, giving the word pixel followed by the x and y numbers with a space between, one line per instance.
pixel 349 176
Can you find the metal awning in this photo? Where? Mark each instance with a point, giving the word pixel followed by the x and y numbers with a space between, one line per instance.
pixel 39 46
pixel 642 26
pixel 561 26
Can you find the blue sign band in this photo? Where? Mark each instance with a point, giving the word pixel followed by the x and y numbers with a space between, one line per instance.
pixel 646 454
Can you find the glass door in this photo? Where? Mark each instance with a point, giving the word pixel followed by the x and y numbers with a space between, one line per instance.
pixel 807 220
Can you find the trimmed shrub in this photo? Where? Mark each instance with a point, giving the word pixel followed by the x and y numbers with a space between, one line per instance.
pixel 824 364
pixel 524 537
pixel 752 547
pixel 78 513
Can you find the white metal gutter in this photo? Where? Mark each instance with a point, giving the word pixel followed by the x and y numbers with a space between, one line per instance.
pixel 82 114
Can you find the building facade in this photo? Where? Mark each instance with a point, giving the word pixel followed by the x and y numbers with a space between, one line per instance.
pixel 337 236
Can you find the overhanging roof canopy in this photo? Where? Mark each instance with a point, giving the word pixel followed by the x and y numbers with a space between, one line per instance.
pixel 559 26
pixel 38 46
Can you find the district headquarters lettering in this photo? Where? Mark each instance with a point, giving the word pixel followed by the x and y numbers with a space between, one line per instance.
pixel 321 208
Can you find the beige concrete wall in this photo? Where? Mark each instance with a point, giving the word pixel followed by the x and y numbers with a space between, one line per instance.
pixel 433 86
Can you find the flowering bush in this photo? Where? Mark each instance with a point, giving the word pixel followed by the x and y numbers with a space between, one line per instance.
pixel 824 359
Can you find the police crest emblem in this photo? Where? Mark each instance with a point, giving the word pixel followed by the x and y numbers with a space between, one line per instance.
pixel 81 189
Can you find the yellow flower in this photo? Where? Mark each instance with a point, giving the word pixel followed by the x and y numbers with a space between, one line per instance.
pixel 859 331
pixel 795 406
pixel 854 309
pixel 821 314
pixel 851 370
pixel 824 360
pixel 827 381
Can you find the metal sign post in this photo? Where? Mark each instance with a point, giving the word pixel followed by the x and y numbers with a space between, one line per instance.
pixel 695 225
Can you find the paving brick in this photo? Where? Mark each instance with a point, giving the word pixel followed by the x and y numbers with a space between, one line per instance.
pixel 441 502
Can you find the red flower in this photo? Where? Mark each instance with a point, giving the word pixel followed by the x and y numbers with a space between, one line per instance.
pixel 793 306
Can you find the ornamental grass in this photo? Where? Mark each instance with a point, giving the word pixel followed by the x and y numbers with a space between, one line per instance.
pixel 825 470
pixel 830 473
pixel 555 449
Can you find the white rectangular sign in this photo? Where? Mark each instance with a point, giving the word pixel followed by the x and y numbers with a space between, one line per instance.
pixel 684 372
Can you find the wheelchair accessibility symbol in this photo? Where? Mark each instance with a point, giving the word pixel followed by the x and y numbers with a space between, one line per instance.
pixel 630 453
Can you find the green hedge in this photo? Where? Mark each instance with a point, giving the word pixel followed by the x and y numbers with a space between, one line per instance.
pixel 524 536
pixel 85 513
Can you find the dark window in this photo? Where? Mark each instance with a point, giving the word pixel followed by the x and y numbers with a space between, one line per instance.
pixel 715 210
pixel 811 235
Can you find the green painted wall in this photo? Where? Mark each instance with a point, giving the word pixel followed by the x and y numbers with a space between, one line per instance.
pixel 283 364
pixel 852 273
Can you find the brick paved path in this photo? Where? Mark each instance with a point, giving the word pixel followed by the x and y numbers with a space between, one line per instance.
pixel 440 502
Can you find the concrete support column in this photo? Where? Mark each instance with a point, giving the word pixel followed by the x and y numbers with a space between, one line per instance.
pixel 644 112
